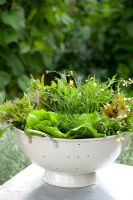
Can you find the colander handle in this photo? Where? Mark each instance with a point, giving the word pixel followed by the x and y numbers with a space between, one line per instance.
pixel 41 133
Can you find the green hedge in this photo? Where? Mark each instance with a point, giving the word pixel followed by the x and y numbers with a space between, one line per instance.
pixel 12 160
pixel 88 36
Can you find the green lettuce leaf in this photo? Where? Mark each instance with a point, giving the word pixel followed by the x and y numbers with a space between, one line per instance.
pixel 44 121
pixel 42 117
pixel 84 131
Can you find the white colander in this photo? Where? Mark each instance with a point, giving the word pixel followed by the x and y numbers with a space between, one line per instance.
pixel 70 162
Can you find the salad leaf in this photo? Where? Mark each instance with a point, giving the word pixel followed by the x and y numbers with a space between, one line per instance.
pixel 41 117
pixel 84 131
pixel 54 132
pixel 44 121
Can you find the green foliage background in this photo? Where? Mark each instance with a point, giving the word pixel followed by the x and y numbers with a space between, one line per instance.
pixel 90 36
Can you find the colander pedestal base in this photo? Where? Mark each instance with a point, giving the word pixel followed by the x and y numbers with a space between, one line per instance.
pixel 69 180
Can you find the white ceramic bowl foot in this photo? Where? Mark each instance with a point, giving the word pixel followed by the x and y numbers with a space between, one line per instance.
pixel 69 180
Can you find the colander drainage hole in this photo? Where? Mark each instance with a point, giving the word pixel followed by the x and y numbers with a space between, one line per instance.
pixel 78 144
pixel 88 156
pixel 68 157
pixel 44 156
pixel 78 156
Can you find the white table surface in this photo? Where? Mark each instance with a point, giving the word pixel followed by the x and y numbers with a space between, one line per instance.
pixel 115 183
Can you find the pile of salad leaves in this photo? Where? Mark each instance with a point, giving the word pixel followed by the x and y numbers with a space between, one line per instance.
pixel 48 122
pixel 61 107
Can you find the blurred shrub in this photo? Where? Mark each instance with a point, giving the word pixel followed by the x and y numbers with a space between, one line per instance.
pixel 87 36
pixel 127 155
pixel 12 159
